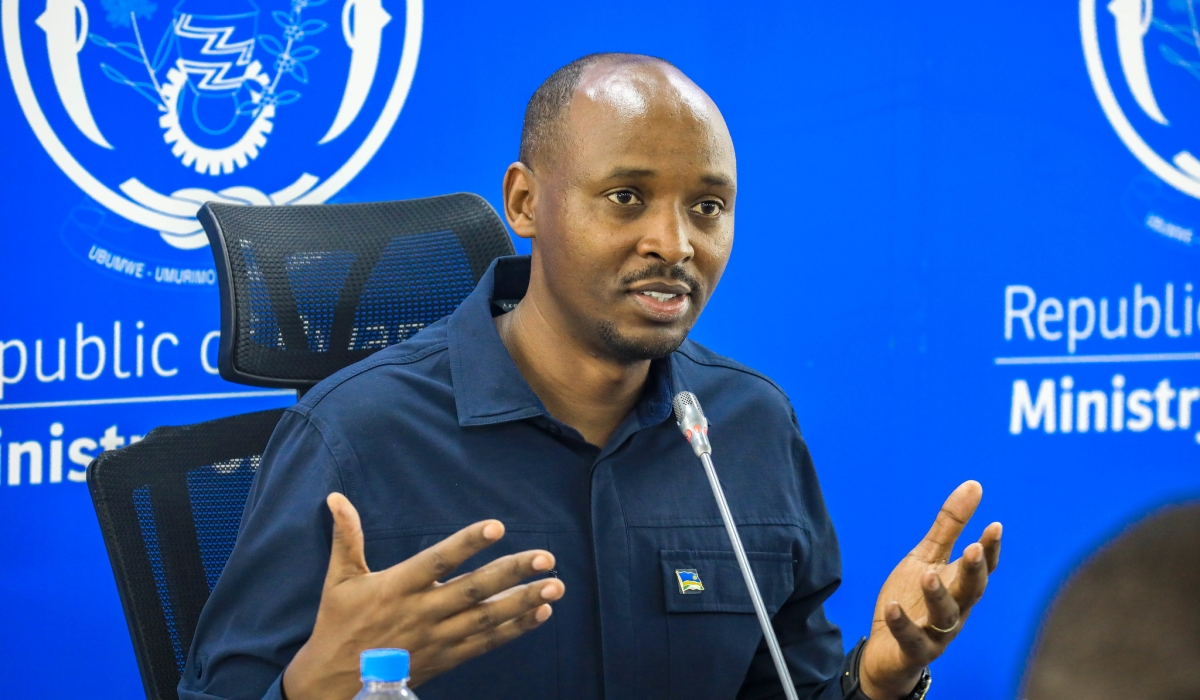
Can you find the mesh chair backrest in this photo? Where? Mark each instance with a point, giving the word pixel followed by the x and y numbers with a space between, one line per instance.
pixel 307 290
pixel 169 509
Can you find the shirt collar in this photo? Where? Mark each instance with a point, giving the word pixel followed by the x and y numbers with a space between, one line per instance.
pixel 488 387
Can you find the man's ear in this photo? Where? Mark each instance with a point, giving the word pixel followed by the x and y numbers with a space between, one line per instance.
pixel 520 190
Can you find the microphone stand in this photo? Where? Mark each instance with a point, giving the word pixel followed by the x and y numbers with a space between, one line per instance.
pixel 755 597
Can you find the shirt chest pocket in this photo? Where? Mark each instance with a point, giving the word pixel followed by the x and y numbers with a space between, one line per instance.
pixel 713 631
pixel 712 582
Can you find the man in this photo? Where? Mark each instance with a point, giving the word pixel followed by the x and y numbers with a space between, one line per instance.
pixel 555 418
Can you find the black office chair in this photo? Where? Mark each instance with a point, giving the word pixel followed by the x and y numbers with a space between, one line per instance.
pixel 305 291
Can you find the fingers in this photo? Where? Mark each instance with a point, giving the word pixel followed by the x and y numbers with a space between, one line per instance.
pixel 436 562
pixel 478 644
pixel 502 634
pixel 503 608
pixel 949 524
pixel 991 545
pixel 913 641
pixel 346 557
pixel 967 588
pixel 488 580
pixel 942 609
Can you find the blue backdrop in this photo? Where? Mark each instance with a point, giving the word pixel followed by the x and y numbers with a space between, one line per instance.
pixel 965 247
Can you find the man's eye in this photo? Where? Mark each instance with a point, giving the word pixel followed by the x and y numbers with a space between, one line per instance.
pixel 707 208
pixel 624 197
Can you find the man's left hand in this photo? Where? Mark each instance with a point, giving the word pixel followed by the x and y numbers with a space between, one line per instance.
pixel 926 600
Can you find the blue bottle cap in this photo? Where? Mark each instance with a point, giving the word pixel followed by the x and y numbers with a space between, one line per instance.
pixel 384 665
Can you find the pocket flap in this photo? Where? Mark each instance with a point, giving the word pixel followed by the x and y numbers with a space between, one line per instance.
pixel 700 581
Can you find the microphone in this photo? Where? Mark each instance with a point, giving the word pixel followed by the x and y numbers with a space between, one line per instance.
pixel 694 426
pixel 692 422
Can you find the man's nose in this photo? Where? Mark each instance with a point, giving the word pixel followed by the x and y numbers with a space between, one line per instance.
pixel 668 238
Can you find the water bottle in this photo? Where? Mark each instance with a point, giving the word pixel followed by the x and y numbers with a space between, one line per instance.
pixel 384 675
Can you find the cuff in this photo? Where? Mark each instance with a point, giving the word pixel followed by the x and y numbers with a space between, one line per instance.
pixel 275 692
pixel 851 689
pixel 850 684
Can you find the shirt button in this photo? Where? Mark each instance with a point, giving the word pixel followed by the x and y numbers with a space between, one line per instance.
pixel 554 430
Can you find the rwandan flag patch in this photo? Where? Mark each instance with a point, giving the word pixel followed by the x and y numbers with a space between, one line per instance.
pixel 689 581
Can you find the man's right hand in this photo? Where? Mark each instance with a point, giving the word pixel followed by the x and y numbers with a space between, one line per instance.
pixel 440 624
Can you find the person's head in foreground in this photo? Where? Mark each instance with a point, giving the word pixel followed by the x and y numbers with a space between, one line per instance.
pixel 554 418
pixel 1127 625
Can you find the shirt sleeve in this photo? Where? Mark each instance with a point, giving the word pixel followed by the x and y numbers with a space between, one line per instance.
pixel 811 644
pixel 264 605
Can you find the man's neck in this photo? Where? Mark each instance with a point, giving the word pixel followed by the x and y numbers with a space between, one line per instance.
pixel 589 393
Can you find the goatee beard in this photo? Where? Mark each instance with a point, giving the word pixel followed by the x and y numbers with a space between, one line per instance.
pixel 627 350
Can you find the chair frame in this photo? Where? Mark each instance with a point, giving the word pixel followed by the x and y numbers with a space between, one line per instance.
pixel 245 435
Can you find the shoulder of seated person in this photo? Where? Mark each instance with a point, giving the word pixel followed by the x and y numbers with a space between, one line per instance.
pixel 416 358
pixel 721 375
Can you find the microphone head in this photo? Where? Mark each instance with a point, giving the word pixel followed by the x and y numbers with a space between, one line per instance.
pixel 692 422
pixel 685 402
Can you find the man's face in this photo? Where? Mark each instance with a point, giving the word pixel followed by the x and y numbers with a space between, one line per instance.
pixel 634 210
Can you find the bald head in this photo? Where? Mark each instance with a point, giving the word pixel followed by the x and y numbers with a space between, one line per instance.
pixel 624 84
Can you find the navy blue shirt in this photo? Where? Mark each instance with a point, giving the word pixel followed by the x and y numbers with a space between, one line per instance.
pixel 441 431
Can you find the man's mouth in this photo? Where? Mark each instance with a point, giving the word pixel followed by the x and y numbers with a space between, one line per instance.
pixel 663 306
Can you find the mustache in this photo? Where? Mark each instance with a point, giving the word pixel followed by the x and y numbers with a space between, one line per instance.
pixel 658 271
